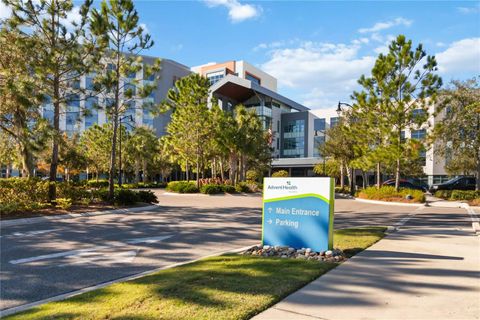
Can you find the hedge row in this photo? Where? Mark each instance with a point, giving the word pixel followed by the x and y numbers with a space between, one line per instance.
pixel 388 193
pixel 458 194
pixel 211 188
pixel 20 194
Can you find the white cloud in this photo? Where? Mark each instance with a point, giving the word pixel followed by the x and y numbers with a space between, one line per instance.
pixel 468 10
pixel 460 56
pixel 237 12
pixel 379 26
pixel 5 11
pixel 325 72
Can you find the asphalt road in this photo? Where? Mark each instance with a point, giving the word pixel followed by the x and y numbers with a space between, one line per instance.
pixel 46 259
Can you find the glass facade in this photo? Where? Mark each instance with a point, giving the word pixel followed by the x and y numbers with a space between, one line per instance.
pixel 91 112
pixel 252 78
pixel 419 134
pixel 418 113
pixel 72 114
pixel 319 124
pixel 334 121
pixel 294 139
pixel 129 88
pixel 317 142
pixel 265 114
pixel 214 77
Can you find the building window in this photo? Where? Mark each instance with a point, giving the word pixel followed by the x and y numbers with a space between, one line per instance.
pixel 402 136
pixel 416 113
pixel 419 134
pixel 214 77
pixel 252 78
pixel 147 117
pixel 317 143
pixel 422 157
pixel 130 88
pixel 89 83
pixel 91 112
pixel 319 124
pixel 294 139
pixel 334 121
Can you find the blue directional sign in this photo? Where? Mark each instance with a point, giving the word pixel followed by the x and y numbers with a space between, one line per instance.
pixel 298 213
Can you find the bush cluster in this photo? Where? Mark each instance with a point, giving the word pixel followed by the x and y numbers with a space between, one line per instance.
pixel 388 193
pixel 217 188
pixel 345 189
pixel 467 195
pixel 182 187
pixel 20 194
pixel 280 174
pixel 102 183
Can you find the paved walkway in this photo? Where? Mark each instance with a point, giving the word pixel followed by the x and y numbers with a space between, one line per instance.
pixel 430 269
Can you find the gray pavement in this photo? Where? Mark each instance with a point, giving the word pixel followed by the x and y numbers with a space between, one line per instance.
pixel 429 269
pixel 50 258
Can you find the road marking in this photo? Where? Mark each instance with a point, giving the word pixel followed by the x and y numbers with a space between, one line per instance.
pixel 404 220
pixel 28 233
pixel 147 240
pixel 102 258
pixel 473 217
pixel 79 252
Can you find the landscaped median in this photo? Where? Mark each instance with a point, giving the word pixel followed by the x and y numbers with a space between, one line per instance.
pixel 232 286
pixel 389 194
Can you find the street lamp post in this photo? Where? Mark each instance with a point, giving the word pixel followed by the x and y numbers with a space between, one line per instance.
pixel 339 111
pixel 120 148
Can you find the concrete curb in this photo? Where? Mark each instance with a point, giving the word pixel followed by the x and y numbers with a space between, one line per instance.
pixel 67 295
pixel 17 222
pixel 473 216
pixel 390 203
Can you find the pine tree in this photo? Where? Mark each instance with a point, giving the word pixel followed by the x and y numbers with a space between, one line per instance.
pixel 402 81
pixel 117 27
pixel 64 52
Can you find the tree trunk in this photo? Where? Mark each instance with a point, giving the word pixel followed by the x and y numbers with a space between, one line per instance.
pixel 342 176
pixel 222 170
pixel 477 173
pixel 111 185
pixel 379 182
pixel 233 167
pixel 349 176
pixel 364 178
pixel 397 175
pixel 144 169
pixel 52 190
pixel 137 170
pixel 186 171
pixel 7 174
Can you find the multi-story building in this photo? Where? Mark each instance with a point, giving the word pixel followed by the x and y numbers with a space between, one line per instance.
pixel 83 112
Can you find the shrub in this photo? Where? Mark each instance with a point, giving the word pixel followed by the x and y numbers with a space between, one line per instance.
pixel 72 191
pixel 252 175
pixel 388 193
pixel 97 184
pixel 64 203
pixel 345 189
pixel 211 189
pixel 280 174
pixel 464 195
pixel 147 196
pixel 444 194
pixel 182 187
pixel 125 197
pixel 243 187
pixel 20 194
pixel 228 188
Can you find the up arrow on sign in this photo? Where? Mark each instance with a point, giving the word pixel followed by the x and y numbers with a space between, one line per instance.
pixel 269 210
pixel 270 221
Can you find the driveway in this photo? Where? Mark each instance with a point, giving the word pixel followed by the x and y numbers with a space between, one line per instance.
pixel 46 259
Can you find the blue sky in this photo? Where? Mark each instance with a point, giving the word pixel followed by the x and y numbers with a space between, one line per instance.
pixel 316 49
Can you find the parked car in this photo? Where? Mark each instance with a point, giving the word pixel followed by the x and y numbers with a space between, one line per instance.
pixel 458 183
pixel 406 183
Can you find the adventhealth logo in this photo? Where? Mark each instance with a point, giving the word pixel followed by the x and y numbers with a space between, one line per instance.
pixel 287 186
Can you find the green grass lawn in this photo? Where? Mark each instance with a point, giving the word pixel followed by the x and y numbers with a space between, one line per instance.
pixel 223 287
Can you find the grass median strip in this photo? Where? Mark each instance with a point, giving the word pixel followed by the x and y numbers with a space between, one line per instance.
pixel 223 287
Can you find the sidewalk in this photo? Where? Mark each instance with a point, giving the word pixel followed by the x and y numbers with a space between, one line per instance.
pixel 420 272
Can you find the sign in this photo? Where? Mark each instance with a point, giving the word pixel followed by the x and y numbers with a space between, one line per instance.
pixel 298 212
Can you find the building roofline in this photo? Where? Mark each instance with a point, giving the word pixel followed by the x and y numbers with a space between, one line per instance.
pixel 257 88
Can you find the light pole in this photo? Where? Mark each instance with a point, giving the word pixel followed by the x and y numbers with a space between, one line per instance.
pixel 120 148
pixel 339 112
